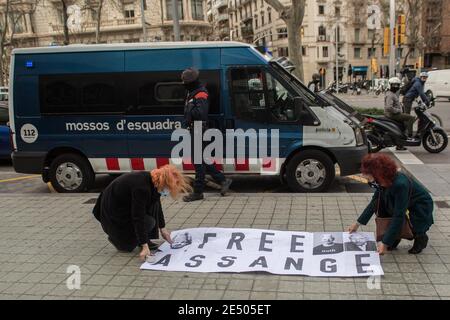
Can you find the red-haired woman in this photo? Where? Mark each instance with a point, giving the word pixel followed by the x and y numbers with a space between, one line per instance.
pixel 395 194
pixel 130 211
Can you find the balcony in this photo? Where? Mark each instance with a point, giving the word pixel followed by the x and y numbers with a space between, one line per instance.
pixel 223 17
pixel 221 3
pixel 324 60
pixel 246 20
pixel 247 31
pixel 106 24
pixel 323 38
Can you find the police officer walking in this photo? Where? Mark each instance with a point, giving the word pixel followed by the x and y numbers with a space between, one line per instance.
pixel 196 110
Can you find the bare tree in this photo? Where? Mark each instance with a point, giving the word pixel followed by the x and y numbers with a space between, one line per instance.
pixel 292 15
pixel 413 27
pixel 13 12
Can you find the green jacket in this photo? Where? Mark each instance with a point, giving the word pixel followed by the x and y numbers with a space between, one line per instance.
pixel 394 200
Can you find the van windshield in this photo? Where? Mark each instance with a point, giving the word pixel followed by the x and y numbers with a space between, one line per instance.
pixel 309 97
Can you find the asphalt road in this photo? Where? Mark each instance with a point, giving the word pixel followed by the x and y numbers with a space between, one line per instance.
pixel 11 182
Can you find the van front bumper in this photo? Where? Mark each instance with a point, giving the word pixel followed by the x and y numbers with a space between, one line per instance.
pixel 28 162
pixel 349 159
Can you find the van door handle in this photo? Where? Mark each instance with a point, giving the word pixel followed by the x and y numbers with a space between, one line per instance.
pixel 229 124
pixel 130 108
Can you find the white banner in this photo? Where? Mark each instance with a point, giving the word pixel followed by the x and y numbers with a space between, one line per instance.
pixel 320 254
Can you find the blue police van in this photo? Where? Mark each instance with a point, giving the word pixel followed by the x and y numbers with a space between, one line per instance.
pixel 81 110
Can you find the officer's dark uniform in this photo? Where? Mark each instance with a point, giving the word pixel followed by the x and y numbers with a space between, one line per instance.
pixel 196 109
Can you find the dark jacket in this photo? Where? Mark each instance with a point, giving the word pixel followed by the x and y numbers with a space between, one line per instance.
pixel 122 206
pixel 196 107
pixel 395 201
pixel 416 90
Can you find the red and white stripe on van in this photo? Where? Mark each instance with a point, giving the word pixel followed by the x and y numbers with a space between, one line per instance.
pixel 256 166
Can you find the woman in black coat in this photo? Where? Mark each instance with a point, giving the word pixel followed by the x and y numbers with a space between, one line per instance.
pixel 130 211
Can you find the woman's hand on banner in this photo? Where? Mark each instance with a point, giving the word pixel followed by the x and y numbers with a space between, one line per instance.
pixel 353 228
pixel 382 248
pixel 166 235
pixel 144 252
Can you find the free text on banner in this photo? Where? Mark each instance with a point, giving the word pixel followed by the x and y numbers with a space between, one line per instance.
pixel 320 254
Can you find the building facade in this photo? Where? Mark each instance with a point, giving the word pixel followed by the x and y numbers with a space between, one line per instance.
pixel 358 41
pixel 436 27
pixel 42 24
pixel 218 16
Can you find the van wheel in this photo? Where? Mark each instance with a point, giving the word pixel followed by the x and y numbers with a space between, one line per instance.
pixel 310 171
pixel 71 173
pixel 429 94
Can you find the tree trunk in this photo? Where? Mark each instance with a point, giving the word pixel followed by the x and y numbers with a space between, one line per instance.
pixel 406 57
pixel 2 42
pixel 294 47
pixel 99 15
pixel 65 26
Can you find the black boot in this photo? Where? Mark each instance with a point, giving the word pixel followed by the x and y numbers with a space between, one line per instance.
pixel 225 185
pixel 394 245
pixel 420 243
pixel 400 148
pixel 193 197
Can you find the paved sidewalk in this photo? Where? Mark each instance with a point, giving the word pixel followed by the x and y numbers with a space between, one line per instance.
pixel 41 235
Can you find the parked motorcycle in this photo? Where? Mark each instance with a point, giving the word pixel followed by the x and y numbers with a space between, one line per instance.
pixel 342 87
pixel 383 132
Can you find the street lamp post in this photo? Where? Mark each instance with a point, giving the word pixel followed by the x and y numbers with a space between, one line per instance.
pixel 144 29
pixel 176 20
pixel 392 40
pixel 337 58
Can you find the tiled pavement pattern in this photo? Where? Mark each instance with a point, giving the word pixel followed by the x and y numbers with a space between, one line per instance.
pixel 41 235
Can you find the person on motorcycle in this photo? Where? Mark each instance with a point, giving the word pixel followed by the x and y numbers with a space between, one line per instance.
pixel 314 84
pixel 393 109
pixel 416 90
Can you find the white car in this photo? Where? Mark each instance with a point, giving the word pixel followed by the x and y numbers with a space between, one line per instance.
pixel 438 84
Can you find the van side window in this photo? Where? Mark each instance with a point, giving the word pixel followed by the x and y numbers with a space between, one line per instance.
pixel 79 94
pixel 170 92
pixel 162 93
pixel 248 92
pixel 280 100
pixel 98 94
pixel 60 97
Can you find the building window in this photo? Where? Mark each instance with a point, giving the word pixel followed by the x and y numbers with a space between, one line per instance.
pixel 337 11
pixel 269 15
pixel 283 52
pixel 129 14
pixel 256 21
pixel 325 52
pixel 371 52
pixel 357 34
pixel 169 9
pixel 322 31
pixel 321 9
pixel 262 19
pixel 370 34
pixel 357 53
pixel 197 9
pixel 304 51
pixel 282 33
pixel 17 21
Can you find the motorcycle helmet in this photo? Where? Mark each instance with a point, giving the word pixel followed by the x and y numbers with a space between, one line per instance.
pixel 424 74
pixel 316 77
pixel 394 84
